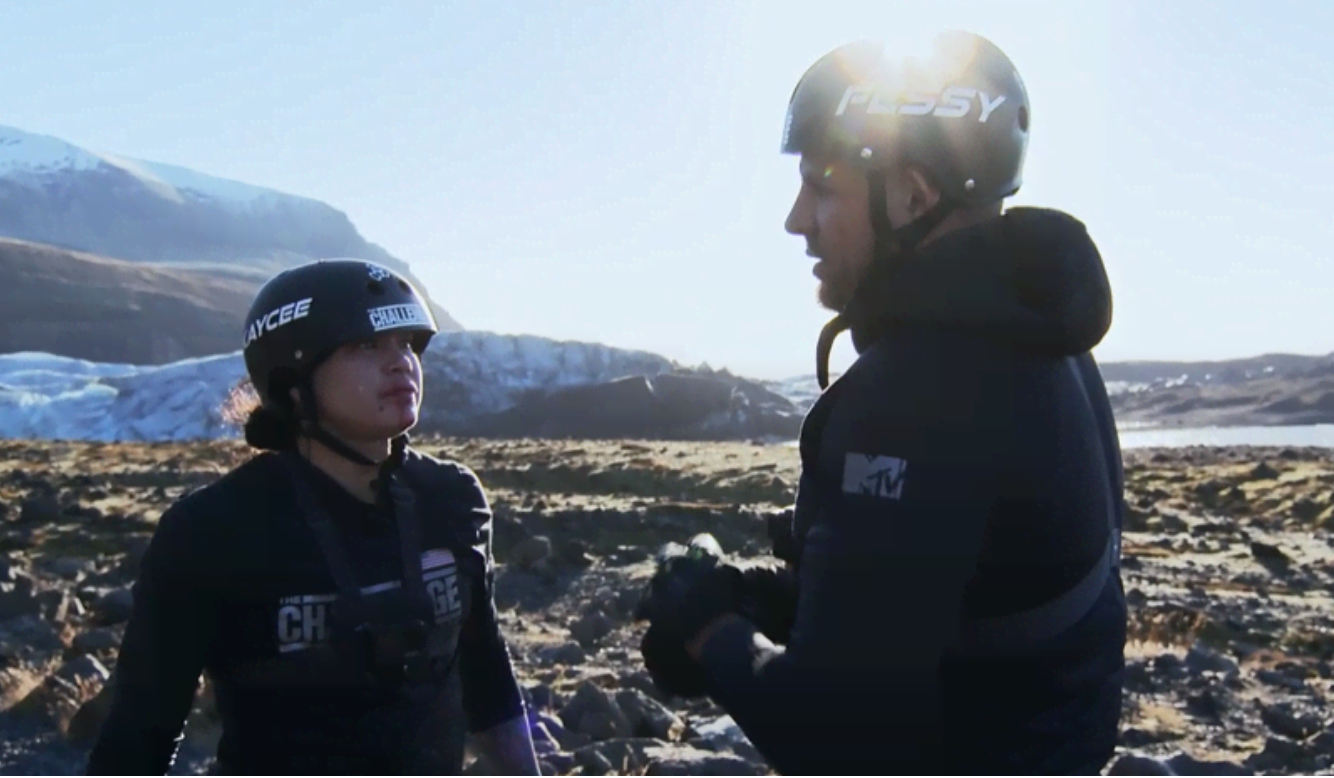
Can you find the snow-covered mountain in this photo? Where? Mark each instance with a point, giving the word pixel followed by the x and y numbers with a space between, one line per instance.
pixel 468 375
pixel 29 158
pixel 60 194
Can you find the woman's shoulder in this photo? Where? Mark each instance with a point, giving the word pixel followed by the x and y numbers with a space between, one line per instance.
pixel 440 469
pixel 252 482
pixel 446 478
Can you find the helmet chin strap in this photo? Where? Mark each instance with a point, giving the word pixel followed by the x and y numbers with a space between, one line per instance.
pixel 892 246
pixel 310 425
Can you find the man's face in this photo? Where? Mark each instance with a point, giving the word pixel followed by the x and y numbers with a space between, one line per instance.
pixel 831 213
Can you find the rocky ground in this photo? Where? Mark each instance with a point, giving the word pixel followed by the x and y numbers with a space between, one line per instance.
pixel 1229 570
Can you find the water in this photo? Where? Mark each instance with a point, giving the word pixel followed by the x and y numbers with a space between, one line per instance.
pixel 1174 437
pixel 1137 436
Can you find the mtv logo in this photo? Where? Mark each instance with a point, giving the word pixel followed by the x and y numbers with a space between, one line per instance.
pixel 874 476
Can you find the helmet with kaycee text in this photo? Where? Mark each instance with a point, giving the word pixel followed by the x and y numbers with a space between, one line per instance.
pixel 304 314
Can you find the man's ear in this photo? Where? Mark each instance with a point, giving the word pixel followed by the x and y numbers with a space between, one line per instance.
pixel 922 194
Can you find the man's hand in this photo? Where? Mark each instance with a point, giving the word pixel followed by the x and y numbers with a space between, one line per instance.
pixel 690 590
pixel 695 647
pixel 673 671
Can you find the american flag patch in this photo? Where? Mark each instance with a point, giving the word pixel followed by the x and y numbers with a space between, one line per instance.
pixel 436 558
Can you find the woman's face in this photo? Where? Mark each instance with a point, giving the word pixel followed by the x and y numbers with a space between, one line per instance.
pixel 370 390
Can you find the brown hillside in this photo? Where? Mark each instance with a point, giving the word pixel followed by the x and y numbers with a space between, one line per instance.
pixel 91 307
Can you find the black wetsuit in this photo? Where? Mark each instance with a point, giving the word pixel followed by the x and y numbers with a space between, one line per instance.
pixel 235 584
pixel 964 472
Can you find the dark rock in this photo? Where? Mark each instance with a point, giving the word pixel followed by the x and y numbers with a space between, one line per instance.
pixel 1263 472
pixel 1281 754
pixel 1138 519
pixel 84 669
pixel 1138 676
pixel 40 509
pixel 558 764
pixel 590 629
pixel 626 756
pixel 619 604
pixel 1285 719
pixel 1207 705
pixel 1133 764
pixel 94 640
pixel 1202 659
pixel 114 607
pixel 1171 524
pixel 530 552
pixel 1265 552
pixel 573 552
pixel 19 598
pixel 1281 680
pixel 56 604
pixel 648 717
pixel 642 681
pixel 603 725
pixel 87 721
pixel 19 539
pixel 1185 764
pixel 567 739
pixel 59 698
pixel 592 761
pixel 629 555
pixel 29 638
pixel 593 712
pixel 723 734
pixel 1138 737
pixel 565 654
pixel 1306 509
pixel 540 697
pixel 684 760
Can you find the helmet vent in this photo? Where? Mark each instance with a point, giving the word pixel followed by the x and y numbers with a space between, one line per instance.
pixel 404 286
pixel 1023 118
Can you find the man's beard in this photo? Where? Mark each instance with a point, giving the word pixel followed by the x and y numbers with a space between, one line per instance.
pixel 835 291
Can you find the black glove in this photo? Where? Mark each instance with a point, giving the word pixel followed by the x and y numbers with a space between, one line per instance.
pixel 690 589
pixel 670 667
pixel 768 598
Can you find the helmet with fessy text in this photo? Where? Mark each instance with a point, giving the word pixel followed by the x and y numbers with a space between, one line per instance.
pixel 960 113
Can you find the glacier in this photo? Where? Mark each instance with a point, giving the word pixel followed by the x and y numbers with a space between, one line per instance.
pixel 467 373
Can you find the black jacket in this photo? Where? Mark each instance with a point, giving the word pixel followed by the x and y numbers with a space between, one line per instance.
pixel 964 472
pixel 234 584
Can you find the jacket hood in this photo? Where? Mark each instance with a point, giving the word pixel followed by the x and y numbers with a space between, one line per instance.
pixel 1031 277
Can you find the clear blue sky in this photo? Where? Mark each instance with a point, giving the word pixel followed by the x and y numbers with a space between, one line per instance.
pixel 612 175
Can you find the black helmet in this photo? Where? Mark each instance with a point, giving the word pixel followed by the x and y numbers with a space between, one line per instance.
pixel 302 315
pixel 961 114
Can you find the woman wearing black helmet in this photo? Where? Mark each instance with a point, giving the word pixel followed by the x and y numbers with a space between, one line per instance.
pixel 338 588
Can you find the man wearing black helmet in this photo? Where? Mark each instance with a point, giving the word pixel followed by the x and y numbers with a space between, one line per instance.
pixel 955 602
pixel 337 589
